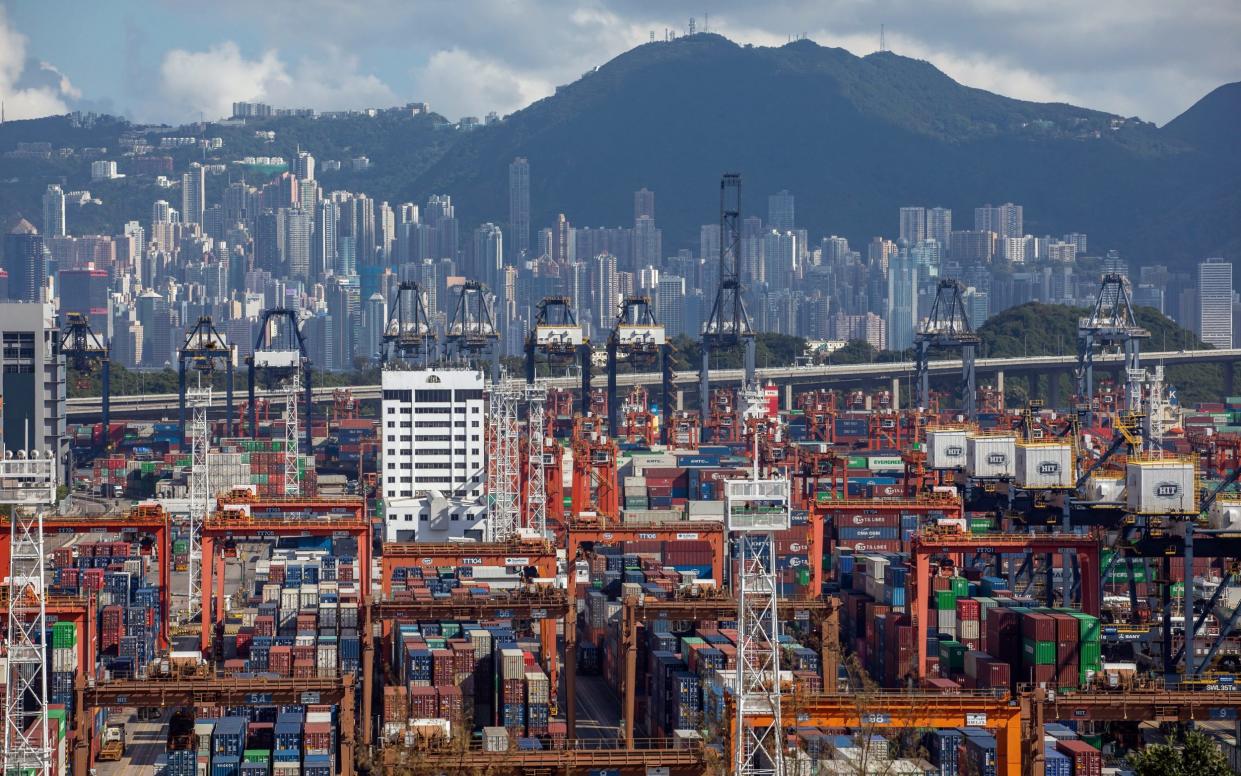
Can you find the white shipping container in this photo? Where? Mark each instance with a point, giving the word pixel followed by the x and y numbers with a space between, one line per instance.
pixel 1044 465
pixel 325 656
pixel 945 448
pixel 991 457
pixel 1161 487
pixel 1225 513
pixel 968 629
pixel 512 664
pixel 290 599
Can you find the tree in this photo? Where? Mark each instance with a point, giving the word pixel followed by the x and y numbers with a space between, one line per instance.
pixel 1194 754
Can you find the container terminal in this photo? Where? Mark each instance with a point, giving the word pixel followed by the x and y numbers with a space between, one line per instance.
pixel 483 572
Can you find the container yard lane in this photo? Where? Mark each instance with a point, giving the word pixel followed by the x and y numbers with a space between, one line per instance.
pixel 598 709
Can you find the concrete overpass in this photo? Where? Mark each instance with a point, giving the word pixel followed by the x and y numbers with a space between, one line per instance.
pixel 149 405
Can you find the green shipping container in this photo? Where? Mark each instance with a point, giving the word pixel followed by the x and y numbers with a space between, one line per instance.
pixel 981 524
pixel 952 654
pixel 857 462
pixel 945 599
pixel 961 587
pixel 1038 653
pixel 256 756
pixel 64 635
pixel 1088 630
pixel 1090 655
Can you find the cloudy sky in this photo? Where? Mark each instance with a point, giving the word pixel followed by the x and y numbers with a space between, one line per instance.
pixel 174 60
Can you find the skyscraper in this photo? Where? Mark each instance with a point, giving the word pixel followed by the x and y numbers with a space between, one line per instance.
pixel 670 304
pixel 298 230
pixel 519 205
pixel 913 225
pixel 23 260
pixel 607 291
pixel 489 256
pixel 54 212
pixel 939 226
pixel 1215 302
pixel 902 312
pixel 780 212
pixel 647 242
pixel 193 194
pixel 304 167
pixel 1005 220
pixel 643 204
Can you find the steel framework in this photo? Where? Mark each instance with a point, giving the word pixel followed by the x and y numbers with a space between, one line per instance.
pixel 281 354
pixel 503 461
pixel 756 510
pixel 1111 323
pixel 536 462
pixel 291 455
pixel 200 494
pixel 947 326
pixel 85 350
pixel 639 337
pixel 472 330
pixel 408 334
pixel 557 335
pixel 728 324
pixel 27 485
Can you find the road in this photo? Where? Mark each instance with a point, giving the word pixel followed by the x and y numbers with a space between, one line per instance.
pixel 598 709
pixel 146 742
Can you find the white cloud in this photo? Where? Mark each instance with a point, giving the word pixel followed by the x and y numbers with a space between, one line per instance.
pixel 24 100
pixel 210 81
pixel 456 83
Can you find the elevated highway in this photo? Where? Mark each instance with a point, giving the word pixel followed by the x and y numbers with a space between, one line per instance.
pixel 148 405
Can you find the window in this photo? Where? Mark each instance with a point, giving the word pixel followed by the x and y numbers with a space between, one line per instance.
pixel 405 438
pixel 455 517
pixel 440 396
pixel 459 424
pixel 474 424
pixel 397 395
pixel 409 518
pixel 391 465
pixel 407 479
pixel 474 437
pixel 424 517
pixel 391 424
pixel 392 437
pixel 468 394
pixel 406 423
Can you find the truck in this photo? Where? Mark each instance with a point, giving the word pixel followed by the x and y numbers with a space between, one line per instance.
pixel 112 746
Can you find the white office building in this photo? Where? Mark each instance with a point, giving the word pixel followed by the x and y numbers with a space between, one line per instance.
pixel 434 444
pixel 1215 302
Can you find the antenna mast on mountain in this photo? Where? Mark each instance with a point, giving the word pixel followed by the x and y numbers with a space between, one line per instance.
pixel 706 22
pixel 882 46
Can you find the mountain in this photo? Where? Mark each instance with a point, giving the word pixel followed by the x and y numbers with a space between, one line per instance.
pixel 853 138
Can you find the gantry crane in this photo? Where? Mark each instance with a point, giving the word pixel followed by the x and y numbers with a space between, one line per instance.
pixel 1111 324
pixel 558 337
pixel 931 542
pixel 637 422
pixel 216 691
pixel 472 330
pixel 280 353
pixel 203 350
pixel 85 351
pixel 822 615
pixel 819 409
pixel 408 335
pixel 534 557
pixel 947 326
pixel 595 487
pixel 640 339
pixel 728 323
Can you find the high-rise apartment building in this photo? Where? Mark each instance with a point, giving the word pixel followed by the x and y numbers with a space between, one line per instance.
pixel 193 194
pixel 913 225
pixel 902 312
pixel 670 304
pixel 32 377
pixel 647 242
pixel 607 291
pixel 519 205
pixel 24 262
pixel 643 204
pixel 1215 302
pixel 489 258
pixel 54 212
pixel 298 232
pixel 1005 220
pixel 939 226
pixel 780 211
pixel 304 166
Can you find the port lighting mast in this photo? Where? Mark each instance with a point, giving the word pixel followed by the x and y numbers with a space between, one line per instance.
pixel 28 487
pixel 756 509
pixel 728 324
pixel 536 462
pixel 1111 324
pixel 200 495
pixel 503 461
pixel 947 326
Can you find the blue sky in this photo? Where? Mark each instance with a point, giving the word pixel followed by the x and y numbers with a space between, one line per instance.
pixel 173 60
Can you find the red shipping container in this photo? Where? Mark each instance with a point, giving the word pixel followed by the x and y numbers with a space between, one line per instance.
pixel 423 702
pixel 944 685
pixel 451 703
pixel 1003 630
pixel 317 737
pixel 304 669
pixel 1038 627
pixel 857 520
pixel 1086 759
pixel 1067 626
pixel 968 609
pixel 396 704
pixel 280 660
pixel 1039 675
